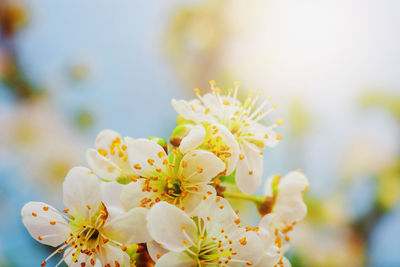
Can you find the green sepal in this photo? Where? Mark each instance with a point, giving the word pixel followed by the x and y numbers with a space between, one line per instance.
pixel 124 180
pixel 132 251
pixel 160 141
pixel 229 179
pixel 181 120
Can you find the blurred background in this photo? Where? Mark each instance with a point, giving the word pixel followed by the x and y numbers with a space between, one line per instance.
pixel 69 69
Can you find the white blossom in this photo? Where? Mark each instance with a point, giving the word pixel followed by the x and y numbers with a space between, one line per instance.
pixel 109 158
pixel 88 231
pixel 243 121
pixel 176 178
pixel 212 237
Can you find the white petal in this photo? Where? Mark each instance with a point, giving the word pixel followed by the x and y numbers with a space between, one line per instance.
pixel 155 250
pixel 193 140
pixel 192 201
pixel 252 250
pixel 146 156
pixel 176 259
pixel 36 216
pixel 132 194
pixel 168 224
pixel 290 208
pixel 184 109
pixel 105 138
pixel 249 169
pixel 110 254
pixel 103 167
pixel 212 102
pixel 268 186
pixel 129 227
pixel 268 136
pixel 231 142
pixel 81 190
pixel 269 260
pixel 293 183
pixel 203 207
pixel 217 211
pixel 201 166
pixel 111 192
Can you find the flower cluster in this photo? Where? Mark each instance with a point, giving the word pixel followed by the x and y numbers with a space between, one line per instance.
pixel 144 202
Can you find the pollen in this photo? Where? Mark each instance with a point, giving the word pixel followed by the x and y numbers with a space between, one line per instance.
pixel 102 152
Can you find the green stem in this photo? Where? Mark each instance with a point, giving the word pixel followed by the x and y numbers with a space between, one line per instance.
pixel 255 199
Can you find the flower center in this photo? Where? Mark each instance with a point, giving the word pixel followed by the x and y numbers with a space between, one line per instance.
pixel 86 236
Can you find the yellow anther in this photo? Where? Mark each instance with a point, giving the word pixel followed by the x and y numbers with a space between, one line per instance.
pixel 102 152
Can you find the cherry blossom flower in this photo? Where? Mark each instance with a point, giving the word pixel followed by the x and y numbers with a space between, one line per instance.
pixel 287 208
pixel 109 158
pixel 179 179
pixel 89 232
pixel 243 121
pixel 212 237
